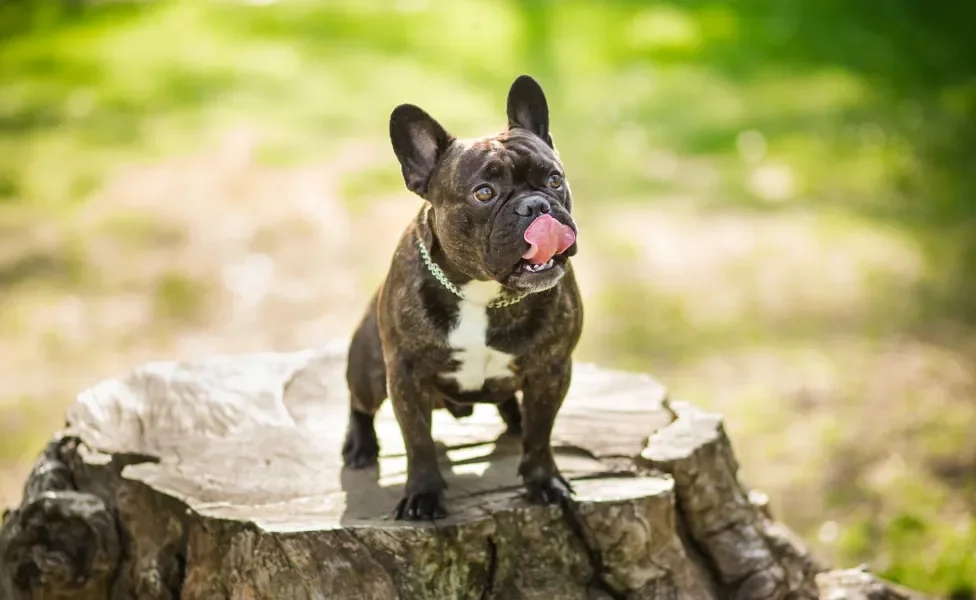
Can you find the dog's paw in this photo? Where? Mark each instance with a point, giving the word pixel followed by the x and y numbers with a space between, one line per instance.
pixel 361 448
pixel 551 490
pixel 357 454
pixel 424 506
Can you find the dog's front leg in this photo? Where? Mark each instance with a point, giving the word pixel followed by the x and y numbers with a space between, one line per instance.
pixel 423 497
pixel 543 394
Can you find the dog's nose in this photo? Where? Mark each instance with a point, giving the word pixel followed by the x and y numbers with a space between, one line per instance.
pixel 533 206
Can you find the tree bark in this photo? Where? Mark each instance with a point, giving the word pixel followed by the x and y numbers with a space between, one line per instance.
pixel 223 479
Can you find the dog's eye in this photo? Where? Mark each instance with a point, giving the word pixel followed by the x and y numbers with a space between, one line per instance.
pixel 555 181
pixel 484 194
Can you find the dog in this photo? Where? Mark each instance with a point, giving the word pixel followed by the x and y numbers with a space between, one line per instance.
pixel 480 302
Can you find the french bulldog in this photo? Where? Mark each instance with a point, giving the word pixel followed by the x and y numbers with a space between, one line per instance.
pixel 480 303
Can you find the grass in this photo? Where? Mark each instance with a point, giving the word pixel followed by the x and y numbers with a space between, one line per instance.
pixel 776 200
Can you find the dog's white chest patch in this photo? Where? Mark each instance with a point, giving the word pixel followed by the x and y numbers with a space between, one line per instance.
pixel 468 338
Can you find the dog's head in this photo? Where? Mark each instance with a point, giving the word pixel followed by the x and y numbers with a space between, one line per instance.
pixel 501 204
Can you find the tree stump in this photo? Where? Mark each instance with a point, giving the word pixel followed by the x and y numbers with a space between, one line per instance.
pixel 223 479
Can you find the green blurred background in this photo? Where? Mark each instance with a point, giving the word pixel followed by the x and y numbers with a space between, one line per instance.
pixel 776 200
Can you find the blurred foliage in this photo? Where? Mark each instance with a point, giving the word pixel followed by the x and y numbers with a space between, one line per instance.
pixel 845 126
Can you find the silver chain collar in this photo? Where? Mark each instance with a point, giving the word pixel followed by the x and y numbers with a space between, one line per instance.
pixel 442 278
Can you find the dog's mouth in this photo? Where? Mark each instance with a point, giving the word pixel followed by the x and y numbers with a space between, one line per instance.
pixel 548 246
pixel 529 277
pixel 525 266
pixel 547 238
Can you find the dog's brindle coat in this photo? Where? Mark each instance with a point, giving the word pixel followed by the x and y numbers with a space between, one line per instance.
pixel 426 348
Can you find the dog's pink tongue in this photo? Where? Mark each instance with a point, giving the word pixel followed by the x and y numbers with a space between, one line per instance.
pixel 547 238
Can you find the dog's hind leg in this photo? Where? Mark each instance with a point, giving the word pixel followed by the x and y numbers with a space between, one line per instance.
pixel 511 413
pixel 366 377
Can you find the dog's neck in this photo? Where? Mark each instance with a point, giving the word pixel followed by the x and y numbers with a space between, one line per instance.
pixel 449 276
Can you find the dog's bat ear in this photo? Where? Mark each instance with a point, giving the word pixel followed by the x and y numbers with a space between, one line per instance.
pixel 528 109
pixel 418 141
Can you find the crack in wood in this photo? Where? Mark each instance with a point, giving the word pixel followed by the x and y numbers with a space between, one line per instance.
pixel 492 550
pixel 593 555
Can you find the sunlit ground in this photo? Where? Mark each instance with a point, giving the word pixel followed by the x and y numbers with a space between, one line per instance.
pixel 190 178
